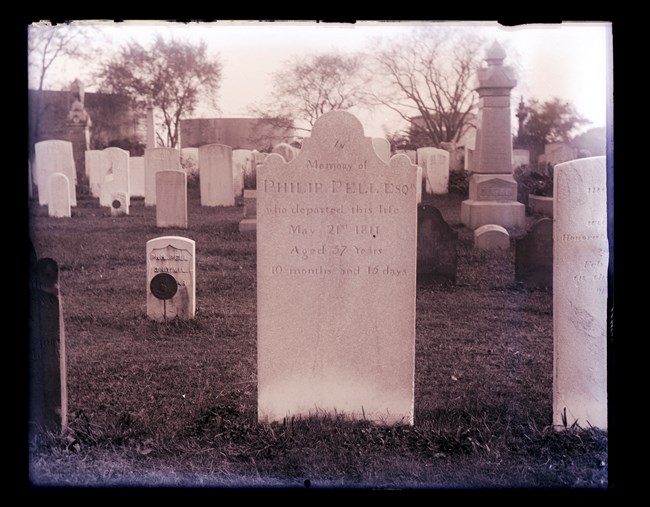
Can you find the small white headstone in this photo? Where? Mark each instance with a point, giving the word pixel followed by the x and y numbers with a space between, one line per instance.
pixel 115 164
pixel 58 203
pixel 491 237
pixel 54 156
pixel 580 265
pixel 158 159
pixel 119 204
pixel 435 166
pixel 171 295
pixel 171 199
pixel 215 174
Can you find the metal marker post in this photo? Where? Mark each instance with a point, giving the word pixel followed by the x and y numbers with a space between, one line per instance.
pixel 163 286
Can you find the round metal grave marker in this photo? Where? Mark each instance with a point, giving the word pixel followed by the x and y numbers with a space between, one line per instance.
pixel 116 204
pixel 163 286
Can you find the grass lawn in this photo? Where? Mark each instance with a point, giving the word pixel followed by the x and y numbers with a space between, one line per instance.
pixel 151 404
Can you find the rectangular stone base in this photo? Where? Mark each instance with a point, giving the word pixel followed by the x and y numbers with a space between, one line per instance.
pixel 248 225
pixel 474 214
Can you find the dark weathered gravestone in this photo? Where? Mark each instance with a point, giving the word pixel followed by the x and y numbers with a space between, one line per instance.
pixel 47 395
pixel 437 247
pixel 534 255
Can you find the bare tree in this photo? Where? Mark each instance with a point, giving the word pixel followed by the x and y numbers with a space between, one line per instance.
pixel 427 77
pixel 172 74
pixel 46 45
pixel 306 88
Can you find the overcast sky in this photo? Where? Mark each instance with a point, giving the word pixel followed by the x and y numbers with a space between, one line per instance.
pixel 568 60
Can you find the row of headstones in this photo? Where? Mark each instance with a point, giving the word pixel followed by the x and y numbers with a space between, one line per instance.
pixel 114 176
pixel 336 281
pixel 579 325
pixel 346 238
pixel 437 251
pixel 578 311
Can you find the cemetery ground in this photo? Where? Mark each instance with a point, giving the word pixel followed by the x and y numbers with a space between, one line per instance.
pixel 155 404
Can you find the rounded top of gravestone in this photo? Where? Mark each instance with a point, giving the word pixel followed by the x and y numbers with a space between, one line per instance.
pixel 495 54
pixel 490 228
pixel 335 123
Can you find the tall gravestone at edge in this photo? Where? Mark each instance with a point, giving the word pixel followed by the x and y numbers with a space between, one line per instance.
pixel 492 188
pixel 48 400
pixel 336 275
pixel 580 265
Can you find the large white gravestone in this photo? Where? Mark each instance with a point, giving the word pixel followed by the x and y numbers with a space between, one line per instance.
pixel 242 163
pixel 158 159
pixel 580 260
pixel 136 176
pixel 54 156
pixel 171 199
pixel 58 203
pixel 171 280
pixel 492 159
pixel 336 274
pixel 115 163
pixel 215 175
pixel 435 167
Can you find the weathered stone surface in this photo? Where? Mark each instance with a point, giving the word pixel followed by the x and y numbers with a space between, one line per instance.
pixel 158 159
pixel 54 156
pixel 115 165
pixel 119 204
pixel 58 203
pixel 336 274
pixel 435 167
pixel 48 400
pixel 580 267
pixel 215 173
pixel 174 256
pixel 171 199
pixel 493 201
pixel 136 176
pixel 491 237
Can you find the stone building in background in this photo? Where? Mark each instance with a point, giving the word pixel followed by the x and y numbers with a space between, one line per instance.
pixel 113 122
